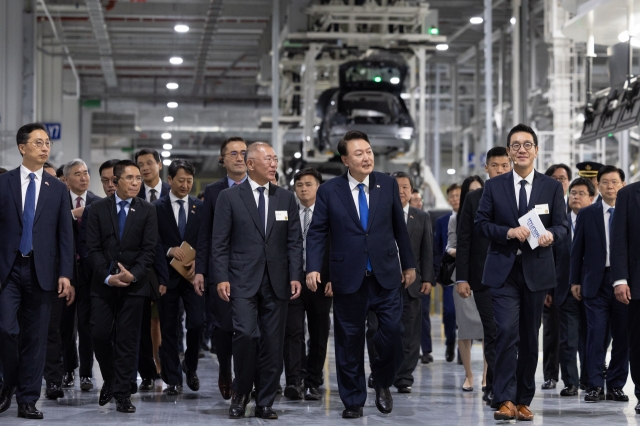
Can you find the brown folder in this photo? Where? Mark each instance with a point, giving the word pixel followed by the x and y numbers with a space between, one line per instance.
pixel 189 255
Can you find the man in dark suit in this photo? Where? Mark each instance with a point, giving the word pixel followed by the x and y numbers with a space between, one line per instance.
pixel 122 235
pixel 471 255
pixel 518 275
pixel 590 278
pixel 300 368
pixel 36 258
pixel 179 219
pixel 232 153
pixel 150 165
pixel 362 213
pixel 625 269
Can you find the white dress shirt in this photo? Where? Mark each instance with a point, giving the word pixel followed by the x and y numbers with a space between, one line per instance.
pixel 256 195
pixel 24 183
pixel 406 213
pixel 176 206
pixel 147 190
pixel 355 191
pixel 527 187
pixel 574 217
pixel 605 208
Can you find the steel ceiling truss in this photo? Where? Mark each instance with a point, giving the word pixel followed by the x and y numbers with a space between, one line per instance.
pixel 101 33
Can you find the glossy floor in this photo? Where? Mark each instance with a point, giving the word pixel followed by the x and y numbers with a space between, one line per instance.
pixel 437 399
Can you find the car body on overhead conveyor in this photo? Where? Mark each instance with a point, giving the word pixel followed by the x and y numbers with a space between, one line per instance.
pixel 367 100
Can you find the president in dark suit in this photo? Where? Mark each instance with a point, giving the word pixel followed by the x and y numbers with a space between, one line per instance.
pixel 36 259
pixel 179 219
pixel 518 275
pixel 122 235
pixel 257 253
pixel 362 213
pixel 232 153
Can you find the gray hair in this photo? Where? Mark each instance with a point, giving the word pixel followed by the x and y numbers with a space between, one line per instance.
pixel 252 148
pixel 71 164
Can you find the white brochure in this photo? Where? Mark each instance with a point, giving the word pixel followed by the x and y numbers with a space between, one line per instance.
pixel 532 221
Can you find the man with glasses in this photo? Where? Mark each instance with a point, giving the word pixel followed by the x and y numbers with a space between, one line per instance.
pixel 232 159
pixel 519 275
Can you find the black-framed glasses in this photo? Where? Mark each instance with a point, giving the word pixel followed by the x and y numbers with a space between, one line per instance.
pixel 516 146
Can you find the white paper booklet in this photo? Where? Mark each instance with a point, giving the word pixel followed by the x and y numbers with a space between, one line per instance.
pixel 532 221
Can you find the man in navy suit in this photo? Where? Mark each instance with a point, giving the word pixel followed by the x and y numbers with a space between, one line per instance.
pixel 362 213
pixel 518 275
pixel 150 165
pixel 31 239
pixel 590 278
pixel 232 152
pixel 179 219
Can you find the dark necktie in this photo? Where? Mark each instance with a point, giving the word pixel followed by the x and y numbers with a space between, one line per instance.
pixel 153 196
pixel 364 215
pixel 26 241
pixel 611 210
pixel 306 221
pixel 522 199
pixel 78 205
pixel 182 219
pixel 122 216
pixel 261 208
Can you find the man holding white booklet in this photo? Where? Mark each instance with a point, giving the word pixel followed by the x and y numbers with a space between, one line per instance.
pixel 519 268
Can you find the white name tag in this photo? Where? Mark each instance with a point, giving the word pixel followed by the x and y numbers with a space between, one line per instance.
pixel 282 215
pixel 542 208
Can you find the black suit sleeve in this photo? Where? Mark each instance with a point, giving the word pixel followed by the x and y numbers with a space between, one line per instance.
pixel 485 217
pixel 407 260
pixel 559 226
pixel 222 223
pixel 577 250
pixel 294 242
pixel 426 252
pixel 203 250
pixel 465 231
pixel 619 252
pixel 65 238
pixel 145 259
pixel 94 245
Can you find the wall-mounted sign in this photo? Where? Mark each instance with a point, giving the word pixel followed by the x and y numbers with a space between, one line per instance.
pixel 54 130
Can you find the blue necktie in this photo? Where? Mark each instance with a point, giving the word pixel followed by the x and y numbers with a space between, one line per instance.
pixel 26 241
pixel 522 199
pixel 611 210
pixel 182 219
pixel 122 216
pixel 364 215
pixel 261 208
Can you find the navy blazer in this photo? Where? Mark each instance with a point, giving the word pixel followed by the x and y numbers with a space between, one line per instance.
pixel 80 232
pixel 625 229
pixel 166 188
pixel 498 212
pixel 335 214
pixel 440 239
pixel 562 256
pixel 472 247
pixel 169 236
pixel 52 231
pixel 203 250
pixel 589 250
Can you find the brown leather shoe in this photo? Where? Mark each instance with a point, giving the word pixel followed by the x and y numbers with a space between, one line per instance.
pixel 507 411
pixel 524 413
pixel 225 384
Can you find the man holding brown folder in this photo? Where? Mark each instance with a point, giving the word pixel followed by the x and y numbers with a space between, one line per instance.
pixel 179 219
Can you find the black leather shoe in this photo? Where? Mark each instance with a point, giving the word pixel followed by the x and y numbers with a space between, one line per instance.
pixel 86 384
pixel 616 394
pixel 570 390
pixel 404 389
pixel 293 392
pixel 549 384
pixel 427 359
pixel 133 387
pixel 449 353
pixel 583 386
pixel 265 413
pixel 53 391
pixel 352 412
pixel 311 394
pixel 279 389
pixel 146 385
pixel 238 405
pixel 638 408
pixel 594 395
pixel 173 390
pixel 370 382
pixel 67 379
pixel 29 411
pixel 192 378
pixel 105 395
pixel 124 405
pixel 384 401
pixel 5 398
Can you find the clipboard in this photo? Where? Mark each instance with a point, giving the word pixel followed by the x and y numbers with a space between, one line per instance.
pixel 189 255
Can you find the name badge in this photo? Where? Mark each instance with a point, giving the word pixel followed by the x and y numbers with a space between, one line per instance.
pixel 542 209
pixel 282 215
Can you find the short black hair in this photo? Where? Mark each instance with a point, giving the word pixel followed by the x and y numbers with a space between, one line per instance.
pixel 3 170
pixel 552 169
pixel 109 164
pixel 228 141
pixel 48 165
pixel 452 187
pixel 60 171
pixel 185 165
pixel 497 151
pixel 415 191
pixel 404 175
pixel 119 167
pixel 591 188
pixel 522 128
pixel 200 195
pixel 147 151
pixel 22 136
pixel 308 171
pixel 351 135
pixel 610 169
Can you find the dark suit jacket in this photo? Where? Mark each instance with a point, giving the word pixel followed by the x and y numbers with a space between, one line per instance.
pixel 625 233
pixel 589 250
pixel 166 188
pixel 471 250
pixel 498 212
pixel 136 251
pixel 335 213
pixel 204 260
pixel 440 239
pixel 52 231
pixel 562 256
pixel 169 236
pixel 242 250
pixel 419 228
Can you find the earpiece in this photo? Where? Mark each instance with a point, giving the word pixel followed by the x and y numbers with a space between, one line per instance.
pixel 220 160
pixel 115 180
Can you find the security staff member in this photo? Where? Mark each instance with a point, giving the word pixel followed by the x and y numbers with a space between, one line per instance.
pixel 589 170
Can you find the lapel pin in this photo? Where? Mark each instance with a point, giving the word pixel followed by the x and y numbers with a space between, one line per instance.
pixel 194 207
pixel 411 216
pixel 377 186
pixel 46 183
pixel 193 212
pixel 133 210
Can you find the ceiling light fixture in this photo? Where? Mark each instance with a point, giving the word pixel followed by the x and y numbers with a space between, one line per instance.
pixel 165 154
pixel 168 119
pixel 442 47
pixel 476 20
pixel 167 146
pixel 513 20
pixel 451 171
pixel 181 28
pixel 166 136
pixel 166 162
pixel 172 104
pixel 297 155
pixel 176 60
pixel 172 86
pixel 394 80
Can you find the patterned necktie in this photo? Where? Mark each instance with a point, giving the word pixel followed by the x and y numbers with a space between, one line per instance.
pixel 26 241
pixel 78 205
pixel 182 219
pixel 364 215
pixel 611 211
pixel 153 196
pixel 522 199
pixel 122 216
pixel 306 221
pixel 261 208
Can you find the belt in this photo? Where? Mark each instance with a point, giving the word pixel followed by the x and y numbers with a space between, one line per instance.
pixel 368 273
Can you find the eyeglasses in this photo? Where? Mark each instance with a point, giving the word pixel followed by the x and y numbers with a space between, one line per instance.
pixel 516 146
pixel 609 182
pixel 235 154
pixel 40 143
pixel 131 178
pixel 105 181
pixel 578 194
pixel 560 179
